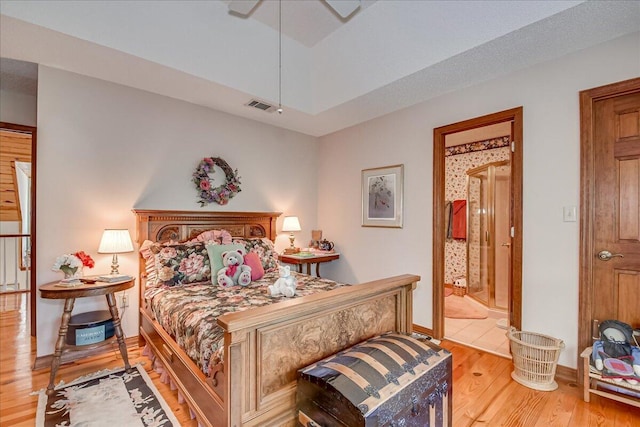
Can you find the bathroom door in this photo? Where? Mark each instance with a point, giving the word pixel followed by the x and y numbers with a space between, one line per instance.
pixel 610 207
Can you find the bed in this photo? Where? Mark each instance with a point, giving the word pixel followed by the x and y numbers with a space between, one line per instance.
pixel 263 347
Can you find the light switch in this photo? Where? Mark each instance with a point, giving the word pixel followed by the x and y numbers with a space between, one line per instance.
pixel 569 214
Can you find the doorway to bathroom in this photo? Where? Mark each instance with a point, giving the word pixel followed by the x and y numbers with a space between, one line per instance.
pixel 478 230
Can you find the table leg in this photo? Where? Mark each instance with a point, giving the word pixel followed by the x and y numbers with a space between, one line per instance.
pixel 309 268
pixel 318 269
pixel 299 268
pixel 62 336
pixel 113 308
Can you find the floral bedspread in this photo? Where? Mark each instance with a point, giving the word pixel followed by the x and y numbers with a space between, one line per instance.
pixel 189 313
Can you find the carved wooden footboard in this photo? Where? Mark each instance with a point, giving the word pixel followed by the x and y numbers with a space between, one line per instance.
pixel 265 346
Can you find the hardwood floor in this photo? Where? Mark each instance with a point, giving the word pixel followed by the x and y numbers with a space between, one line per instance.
pixel 17 380
pixel 484 393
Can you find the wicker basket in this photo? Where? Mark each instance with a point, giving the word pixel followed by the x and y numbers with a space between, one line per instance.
pixel 459 290
pixel 535 358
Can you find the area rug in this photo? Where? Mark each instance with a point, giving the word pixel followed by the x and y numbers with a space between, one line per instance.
pixel 456 307
pixel 105 399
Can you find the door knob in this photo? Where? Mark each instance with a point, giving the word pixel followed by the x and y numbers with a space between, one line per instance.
pixel 606 255
pixel 506 244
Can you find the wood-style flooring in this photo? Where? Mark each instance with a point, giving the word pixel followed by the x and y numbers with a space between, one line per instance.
pixel 484 393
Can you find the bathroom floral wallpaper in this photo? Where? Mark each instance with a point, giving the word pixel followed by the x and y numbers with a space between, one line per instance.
pixel 459 159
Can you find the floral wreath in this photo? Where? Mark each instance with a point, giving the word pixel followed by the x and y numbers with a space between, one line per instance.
pixel 222 193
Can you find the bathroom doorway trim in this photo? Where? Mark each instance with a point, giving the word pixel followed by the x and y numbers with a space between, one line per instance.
pixel 514 116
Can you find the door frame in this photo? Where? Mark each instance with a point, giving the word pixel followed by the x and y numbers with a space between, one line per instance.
pixel 33 282
pixel 587 199
pixel 513 115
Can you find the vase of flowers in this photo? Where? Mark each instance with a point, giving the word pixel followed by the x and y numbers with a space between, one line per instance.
pixel 72 264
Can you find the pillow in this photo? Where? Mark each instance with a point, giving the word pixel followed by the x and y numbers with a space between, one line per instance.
pixel 265 250
pixel 253 260
pixel 177 264
pixel 150 264
pixel 215 256
pixel 222 237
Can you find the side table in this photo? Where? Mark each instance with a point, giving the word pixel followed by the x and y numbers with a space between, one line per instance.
pixel 69 294
pixel 308 260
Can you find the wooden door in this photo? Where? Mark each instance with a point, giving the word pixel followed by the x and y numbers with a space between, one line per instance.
pixel 610 240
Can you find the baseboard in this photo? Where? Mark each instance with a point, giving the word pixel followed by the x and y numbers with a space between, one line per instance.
pixel 422 330
pixel 567 374
pixel 42 362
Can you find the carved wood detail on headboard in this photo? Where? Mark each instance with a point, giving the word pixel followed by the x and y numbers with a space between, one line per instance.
pixel 162 226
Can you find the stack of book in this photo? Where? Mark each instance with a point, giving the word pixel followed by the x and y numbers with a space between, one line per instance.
pixel 113 278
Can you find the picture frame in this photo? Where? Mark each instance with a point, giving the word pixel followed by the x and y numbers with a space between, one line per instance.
pixel 382 196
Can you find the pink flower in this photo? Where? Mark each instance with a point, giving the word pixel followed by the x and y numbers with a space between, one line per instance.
pixel 192 265
pixel 208 160
pixel 205 185
pixel 168 253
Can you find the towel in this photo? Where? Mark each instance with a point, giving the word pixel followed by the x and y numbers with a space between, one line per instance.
pixel 448 219
pixel 459 219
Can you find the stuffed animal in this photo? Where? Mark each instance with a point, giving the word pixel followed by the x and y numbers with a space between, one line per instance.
pixel 615 354
pixel 285 285
pixel 234 271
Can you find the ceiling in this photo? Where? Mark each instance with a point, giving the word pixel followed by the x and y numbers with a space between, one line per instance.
pixel 335 73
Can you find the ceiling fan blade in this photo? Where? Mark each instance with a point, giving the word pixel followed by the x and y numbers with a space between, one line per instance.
pixel 344 8
pixel 242 7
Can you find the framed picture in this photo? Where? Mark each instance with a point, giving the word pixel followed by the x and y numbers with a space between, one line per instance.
pixel 382 196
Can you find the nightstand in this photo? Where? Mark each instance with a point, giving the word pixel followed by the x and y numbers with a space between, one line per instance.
pixel 69 294
pixel 316 259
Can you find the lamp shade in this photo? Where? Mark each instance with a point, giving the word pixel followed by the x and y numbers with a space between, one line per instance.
pixel 291 223
pixel 115 241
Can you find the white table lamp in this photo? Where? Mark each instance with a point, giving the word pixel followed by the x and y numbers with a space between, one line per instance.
pixel 291 224
pixel 115 241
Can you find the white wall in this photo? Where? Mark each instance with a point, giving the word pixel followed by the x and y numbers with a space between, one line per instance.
pixel 104 149
pixel 549 95
pixel 17 108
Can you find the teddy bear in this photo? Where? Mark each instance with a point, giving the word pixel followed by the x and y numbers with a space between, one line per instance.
pixel 234 271
pixel 285 285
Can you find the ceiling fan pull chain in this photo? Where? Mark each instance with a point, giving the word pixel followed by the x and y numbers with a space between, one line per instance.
pixel 279 57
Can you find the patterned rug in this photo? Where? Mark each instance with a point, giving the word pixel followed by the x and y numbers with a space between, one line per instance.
pixel 106 398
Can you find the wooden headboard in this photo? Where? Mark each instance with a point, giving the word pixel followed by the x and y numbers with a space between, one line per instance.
pixel 162 226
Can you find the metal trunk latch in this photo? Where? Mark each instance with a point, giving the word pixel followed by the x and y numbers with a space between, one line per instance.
pixel 415 408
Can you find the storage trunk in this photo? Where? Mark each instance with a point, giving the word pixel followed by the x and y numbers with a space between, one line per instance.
pixel 392 380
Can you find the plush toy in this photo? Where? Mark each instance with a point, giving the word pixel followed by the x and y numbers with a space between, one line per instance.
pixel 234 271
pixel 285 285
pixel 615 354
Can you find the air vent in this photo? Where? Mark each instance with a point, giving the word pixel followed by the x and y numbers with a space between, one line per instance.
pixel 260 105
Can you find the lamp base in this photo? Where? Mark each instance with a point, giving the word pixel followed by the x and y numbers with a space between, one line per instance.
pixel 114 265
pixel 288 251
